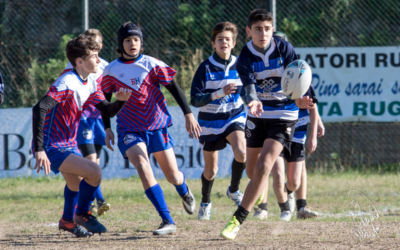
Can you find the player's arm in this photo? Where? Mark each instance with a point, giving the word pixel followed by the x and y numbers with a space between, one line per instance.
pixel 312 141
pixel 321 127
pixel 109 110
pixel 39 112
pixel 248 79
pixel 192 126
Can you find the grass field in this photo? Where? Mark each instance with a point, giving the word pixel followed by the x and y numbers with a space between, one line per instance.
pixel 30 207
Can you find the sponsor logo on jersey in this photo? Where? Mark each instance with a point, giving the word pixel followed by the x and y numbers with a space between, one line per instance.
pixel 250 125
pixel 129 138
pixel 224 99
pixel 268 85
pixel 121 75
pixel 135 81
pixel 87 134
pixel 63 150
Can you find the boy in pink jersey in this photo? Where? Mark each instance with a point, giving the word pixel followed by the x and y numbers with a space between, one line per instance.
pixel 142 124
pixel 55 122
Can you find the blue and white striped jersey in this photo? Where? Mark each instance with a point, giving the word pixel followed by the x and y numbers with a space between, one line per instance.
pixel 216 116
pixel 265 71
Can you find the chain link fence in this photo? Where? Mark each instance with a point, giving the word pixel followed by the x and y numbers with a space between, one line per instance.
pixel 33 35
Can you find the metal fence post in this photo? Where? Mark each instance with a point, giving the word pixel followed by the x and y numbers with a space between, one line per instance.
pixel 85 15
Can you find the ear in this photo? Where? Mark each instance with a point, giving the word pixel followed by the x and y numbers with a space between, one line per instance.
pixel 213 44
pixel 248 32
pixel 79 61
pixel 234 43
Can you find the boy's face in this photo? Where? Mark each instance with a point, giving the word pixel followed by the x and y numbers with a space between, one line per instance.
pixel 224 44
pixel 90 63
pixel 132 45
pixel 261 33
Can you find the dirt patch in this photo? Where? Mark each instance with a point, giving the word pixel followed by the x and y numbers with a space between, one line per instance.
pixel 193 234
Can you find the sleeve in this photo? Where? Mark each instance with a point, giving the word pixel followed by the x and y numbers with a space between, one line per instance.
pixel 245 70
pixel 110 109
pixel 107 82
pixel 179 97
pixel 290 54
pixel 106 120
pixel 39 112
pixel 164 73
pixel 60 92
pixel 198 97
pixel 311 93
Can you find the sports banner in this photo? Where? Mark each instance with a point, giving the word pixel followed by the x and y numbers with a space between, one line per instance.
pixel 356 83
pixel 16 158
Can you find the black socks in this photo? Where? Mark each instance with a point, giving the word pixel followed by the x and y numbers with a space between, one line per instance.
pixel 284 206
pixel 263 206
pixel 206 189
pixel 301 203
pixel 237 172
pixel 241 214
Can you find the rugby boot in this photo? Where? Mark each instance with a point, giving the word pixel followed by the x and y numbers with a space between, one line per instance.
pixel 90 222
pixel 73 228
pixel 165 228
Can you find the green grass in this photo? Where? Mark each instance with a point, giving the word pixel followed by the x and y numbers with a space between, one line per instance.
pixel 41 199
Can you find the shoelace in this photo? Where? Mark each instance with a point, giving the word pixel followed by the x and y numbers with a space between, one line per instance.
pixel 232 224
pixel 164 222
pixel 80 230
pixel 188 198
pixel 203 209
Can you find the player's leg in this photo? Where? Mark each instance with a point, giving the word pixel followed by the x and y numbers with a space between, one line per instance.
pixel 71 193
pixel 102 205
pixel 278 173
pixel 207 181
pixel 138 156
pixel 167 161
pixel 252 155
pixel 303 212
pixel 238 143
pixel 91 174
pixel 160 143
pixel 88 151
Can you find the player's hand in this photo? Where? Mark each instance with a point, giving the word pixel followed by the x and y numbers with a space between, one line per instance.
pixel 305 103
pixel 123 94
pixel 42 160
pixel 109 137
pixel 256 108
pixel 192 126
pixel 230 88
pixel 312 144
pixel 321 129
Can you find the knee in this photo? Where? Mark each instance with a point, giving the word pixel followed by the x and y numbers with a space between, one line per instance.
pixel 279 179
pixel 175 178
pixel 95 173
pixel 240 154
pixel 261 171
pixel 293 185
pixel 210 173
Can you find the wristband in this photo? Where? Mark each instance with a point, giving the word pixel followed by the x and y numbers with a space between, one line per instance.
pixel 218 94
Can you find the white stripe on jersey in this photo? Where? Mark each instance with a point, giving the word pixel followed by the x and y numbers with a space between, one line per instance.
pixel 278 114
pixel 221 108
pixel 302 121
pixel 270 73
pixel 216 131
pixel 218 83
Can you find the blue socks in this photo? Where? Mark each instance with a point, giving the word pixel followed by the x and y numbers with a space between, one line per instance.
pixel 156 196
pixel 99 194
pixel 86 196
pixel 182 189
pixel 71 199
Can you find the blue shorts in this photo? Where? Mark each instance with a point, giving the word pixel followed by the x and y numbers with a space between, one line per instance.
pixel 155 140
pixel 58 155
pixel 91 131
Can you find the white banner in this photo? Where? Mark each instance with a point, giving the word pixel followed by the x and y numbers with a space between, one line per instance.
pixel 356 83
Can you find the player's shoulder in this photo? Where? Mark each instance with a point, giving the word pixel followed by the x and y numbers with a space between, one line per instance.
pixel 69 66
pixel 283 45
pixel 66 81
pixel 151 62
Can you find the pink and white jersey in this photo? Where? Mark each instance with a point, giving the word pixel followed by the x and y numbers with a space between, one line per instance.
pixel 91 111
pixel 73 96
pixel 146 109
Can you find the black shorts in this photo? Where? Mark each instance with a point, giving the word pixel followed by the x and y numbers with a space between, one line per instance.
pixel 293 152
pixel 88 149
pixel 258 130
pixel 221 141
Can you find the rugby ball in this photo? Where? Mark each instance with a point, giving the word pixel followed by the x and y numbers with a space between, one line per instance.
pixel 296 79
